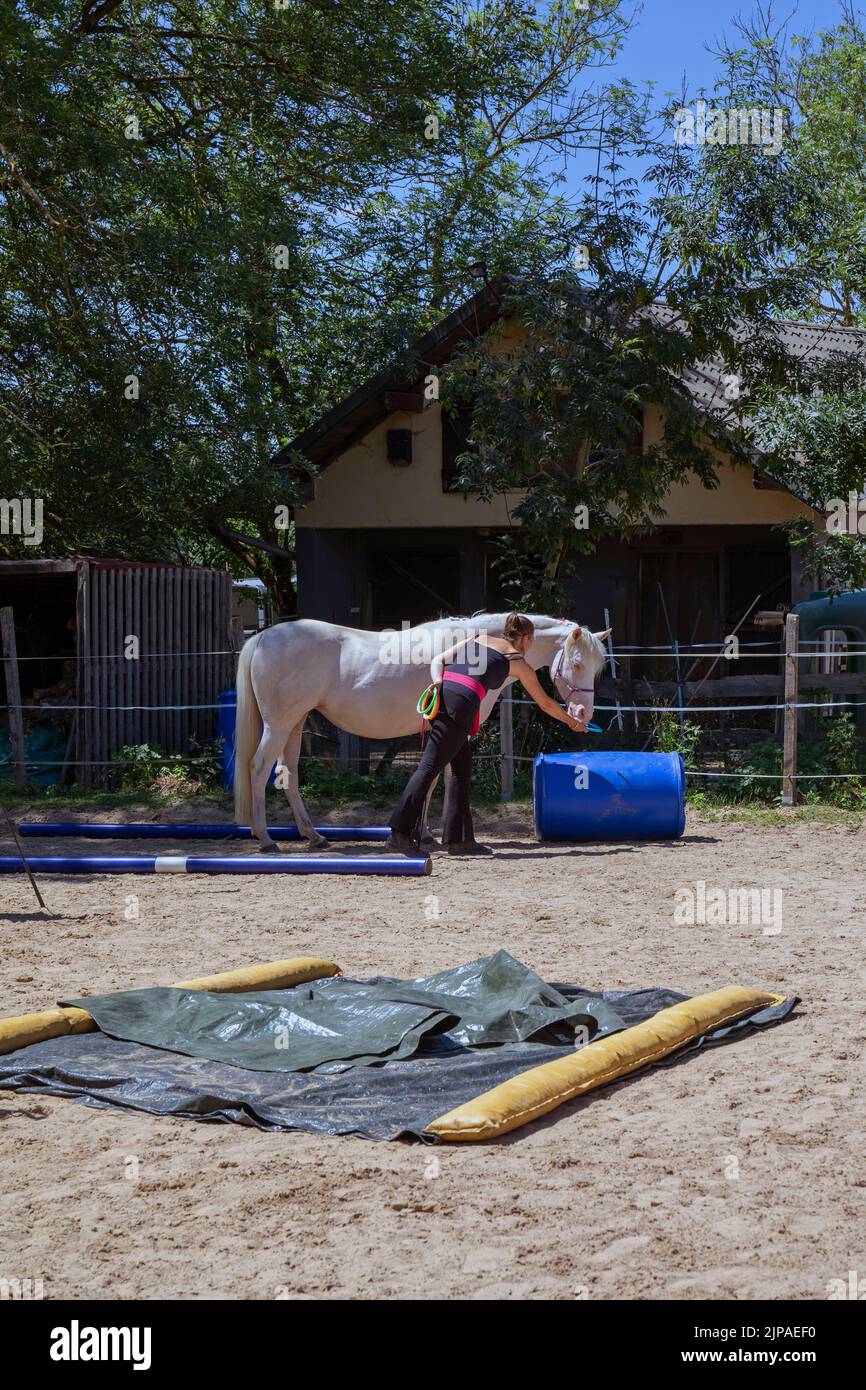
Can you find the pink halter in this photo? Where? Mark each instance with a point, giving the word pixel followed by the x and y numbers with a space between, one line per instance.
pixel 558 676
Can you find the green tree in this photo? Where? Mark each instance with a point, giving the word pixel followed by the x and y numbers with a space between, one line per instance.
pixel 794 225
pixel 630 310
pixel 217 216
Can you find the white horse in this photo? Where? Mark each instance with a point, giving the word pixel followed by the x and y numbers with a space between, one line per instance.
pixel 367 683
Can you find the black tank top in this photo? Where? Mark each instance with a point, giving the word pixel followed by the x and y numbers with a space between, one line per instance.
pixel 484 664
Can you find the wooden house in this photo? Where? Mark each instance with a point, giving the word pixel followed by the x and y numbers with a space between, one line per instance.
pixel 384 537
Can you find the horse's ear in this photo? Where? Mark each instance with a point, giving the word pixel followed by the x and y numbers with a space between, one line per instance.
pixel 576 633
pixel 601 635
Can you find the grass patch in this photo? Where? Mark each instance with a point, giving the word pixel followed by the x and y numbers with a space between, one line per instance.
pixel 760 813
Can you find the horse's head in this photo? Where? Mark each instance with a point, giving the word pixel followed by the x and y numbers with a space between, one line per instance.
pixel 574 670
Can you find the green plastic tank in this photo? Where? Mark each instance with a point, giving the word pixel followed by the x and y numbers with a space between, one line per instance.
pixel 841 612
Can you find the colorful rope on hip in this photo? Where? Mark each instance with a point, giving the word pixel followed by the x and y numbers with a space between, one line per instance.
pixel 428 703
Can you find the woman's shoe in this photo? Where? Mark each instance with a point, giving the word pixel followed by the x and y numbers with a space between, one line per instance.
pixel 467 847
pixel 402 844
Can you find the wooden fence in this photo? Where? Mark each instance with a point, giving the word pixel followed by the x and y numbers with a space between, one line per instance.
pixel 153 651
pixel 181 619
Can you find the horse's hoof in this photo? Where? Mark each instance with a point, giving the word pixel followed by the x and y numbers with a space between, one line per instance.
pixel 317 842
pixel 270 847
pixel 429 840
pixel 402 844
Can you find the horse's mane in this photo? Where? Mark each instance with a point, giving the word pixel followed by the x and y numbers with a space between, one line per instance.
pixel 581 648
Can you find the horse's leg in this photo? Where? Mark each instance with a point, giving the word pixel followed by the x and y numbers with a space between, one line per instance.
pixel 291 757
pixel 272 741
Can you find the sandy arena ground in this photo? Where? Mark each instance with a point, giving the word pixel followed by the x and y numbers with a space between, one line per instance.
pixel 735 1174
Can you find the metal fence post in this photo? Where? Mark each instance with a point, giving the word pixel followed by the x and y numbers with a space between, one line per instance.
pixel 792 686
pixel 506 745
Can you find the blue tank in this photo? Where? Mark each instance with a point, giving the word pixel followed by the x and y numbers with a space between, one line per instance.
pixel 608 796
pixel 226 720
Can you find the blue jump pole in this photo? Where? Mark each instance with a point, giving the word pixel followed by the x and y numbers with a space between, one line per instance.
pixel 153 830
pixel 235 864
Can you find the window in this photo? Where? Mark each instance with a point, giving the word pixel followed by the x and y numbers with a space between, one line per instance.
pixel 455 429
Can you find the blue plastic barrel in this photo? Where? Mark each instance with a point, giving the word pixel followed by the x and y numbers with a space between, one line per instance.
pixel 608 796
pixel 226 719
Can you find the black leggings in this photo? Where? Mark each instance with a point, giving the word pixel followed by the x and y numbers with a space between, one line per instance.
pixel 447 742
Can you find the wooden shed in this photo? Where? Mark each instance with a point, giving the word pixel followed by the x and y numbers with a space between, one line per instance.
pixel 115 653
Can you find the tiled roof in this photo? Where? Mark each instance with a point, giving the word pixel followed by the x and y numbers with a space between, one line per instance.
pixel 814 343
pixel 354 417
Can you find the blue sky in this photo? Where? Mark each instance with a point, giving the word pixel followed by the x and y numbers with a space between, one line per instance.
pixel 670 37
pixel 668 45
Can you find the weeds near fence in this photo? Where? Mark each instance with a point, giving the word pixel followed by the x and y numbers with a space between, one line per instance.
pixel 668 737
pixel 822 757
pixel 329 781
pixel 143 768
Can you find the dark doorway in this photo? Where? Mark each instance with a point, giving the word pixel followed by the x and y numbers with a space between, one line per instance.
pixel 413 587
pixel 687 585
pixel 760 572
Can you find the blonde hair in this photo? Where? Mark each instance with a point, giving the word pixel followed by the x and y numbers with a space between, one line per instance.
pixel 516 626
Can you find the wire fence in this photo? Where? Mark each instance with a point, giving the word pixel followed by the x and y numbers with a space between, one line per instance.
pixel 506 756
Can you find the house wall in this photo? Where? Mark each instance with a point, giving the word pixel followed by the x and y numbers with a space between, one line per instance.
pixel 362 489
pixel 735 502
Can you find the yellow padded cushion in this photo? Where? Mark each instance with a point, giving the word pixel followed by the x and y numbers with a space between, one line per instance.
pixel 534 1093
pixel 25 1029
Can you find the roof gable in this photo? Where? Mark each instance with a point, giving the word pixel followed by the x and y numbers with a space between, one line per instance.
pixel 399 387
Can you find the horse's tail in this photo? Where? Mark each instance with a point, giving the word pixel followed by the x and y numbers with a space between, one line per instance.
pixel 248 732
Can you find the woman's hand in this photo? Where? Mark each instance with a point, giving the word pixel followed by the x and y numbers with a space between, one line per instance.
pixel 529 680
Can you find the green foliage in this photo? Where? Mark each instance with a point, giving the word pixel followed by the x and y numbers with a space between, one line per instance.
pixel 837 749
pixel 322 780
pixel 248 211
pixel 486 767
pixel 846 754
pixel 143 768
pixel 837 562
pixel 240 207
pixel 793 225
pixel 667 736
pixel 560 418
pixel 818 439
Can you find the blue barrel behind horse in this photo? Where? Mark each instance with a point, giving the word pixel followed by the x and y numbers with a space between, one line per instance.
pixel 608 796
pixel 227 715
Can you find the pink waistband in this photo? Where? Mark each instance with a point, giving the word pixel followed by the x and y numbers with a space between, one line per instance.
pixel 458 678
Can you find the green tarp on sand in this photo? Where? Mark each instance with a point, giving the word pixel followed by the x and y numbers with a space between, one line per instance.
pixel 333 1025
